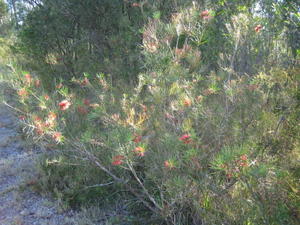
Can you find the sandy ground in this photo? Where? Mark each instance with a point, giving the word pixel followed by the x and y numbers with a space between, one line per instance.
pixel 19 205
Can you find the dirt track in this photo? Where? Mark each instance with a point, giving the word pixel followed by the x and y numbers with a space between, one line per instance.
pixel 19 205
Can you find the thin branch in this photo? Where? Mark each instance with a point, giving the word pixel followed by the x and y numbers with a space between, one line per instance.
pixel 143 187
pixel 98 185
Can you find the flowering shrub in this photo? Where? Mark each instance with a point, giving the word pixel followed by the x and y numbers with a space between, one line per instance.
pixel 192 146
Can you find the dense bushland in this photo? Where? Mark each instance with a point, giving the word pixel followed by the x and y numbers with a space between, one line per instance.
pixel 187 111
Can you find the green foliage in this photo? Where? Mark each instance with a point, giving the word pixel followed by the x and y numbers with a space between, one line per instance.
pixel 3 10
pixel 95 36
pixel 64 177
pixel 209 134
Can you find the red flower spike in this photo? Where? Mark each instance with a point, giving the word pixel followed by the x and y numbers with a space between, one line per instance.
pixel 82 110
pixel 51 116
pixel 137 138
pixel 57 136
pixel 228 175
pixel 244 157
pixel 186 138
pixel 168 164
pixel 243 164
pixel 258 28
pixel 46 97
pixel 187 102
pixel 28 78
pixel 135 4
pixel 37 119
pixel 22 93
pixel 87 102
pixel 205 14
pixel 118 160
pixel 39 131
pixel 64 105
pixel 85 82
pixel 140 151
pixel 22 117
pixel 119 157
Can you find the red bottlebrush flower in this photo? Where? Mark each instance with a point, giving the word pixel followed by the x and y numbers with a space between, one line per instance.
pixel 187 102
pixel 205 14
pixel 39 125
pixel 39 131
pixel 59 86
pixel 87 102
pixel 46 97
pixel 244 157
pixel 169 164
pixel 258 28
pixel 82 110
pixel 51 116
pixel 119 157
pixel 186 138
pixel 37 119
pixel 28 78
pixel 64 105
pixel 140 151
pixel 137 138
pixel 243 164
pixel 118 160
pixel 135 4
pixel 22 117
pixel 229 175
pixel 50 122
pixel 37 83
pixel 85 81
pixel 22 93
pixel 57 136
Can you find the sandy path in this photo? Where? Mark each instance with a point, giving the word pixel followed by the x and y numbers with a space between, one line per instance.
pixel 18 204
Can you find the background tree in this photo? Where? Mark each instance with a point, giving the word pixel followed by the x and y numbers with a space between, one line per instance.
pixel 3 10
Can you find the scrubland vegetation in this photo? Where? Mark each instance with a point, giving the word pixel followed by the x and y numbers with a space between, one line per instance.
pixel 183 112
